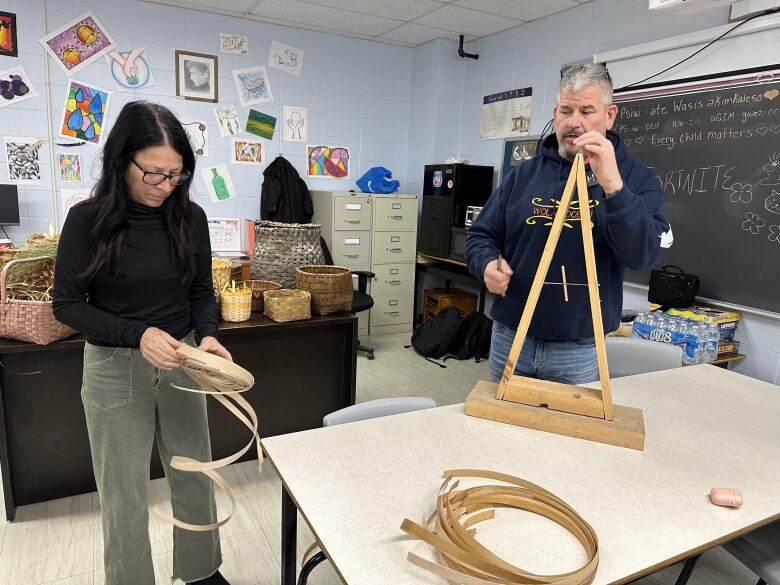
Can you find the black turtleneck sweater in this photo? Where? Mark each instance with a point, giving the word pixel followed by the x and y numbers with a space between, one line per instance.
pixel 146 292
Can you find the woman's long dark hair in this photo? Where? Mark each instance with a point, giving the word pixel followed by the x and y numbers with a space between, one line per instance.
pixel 140 125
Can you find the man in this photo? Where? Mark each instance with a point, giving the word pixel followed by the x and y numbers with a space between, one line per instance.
pixel 505 243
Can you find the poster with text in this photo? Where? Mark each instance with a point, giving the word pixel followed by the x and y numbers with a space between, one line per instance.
pixel 506 114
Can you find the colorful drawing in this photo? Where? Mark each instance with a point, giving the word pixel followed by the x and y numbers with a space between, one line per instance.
pixel 227 120
pixel 285 58
pixel 130 69
pixel 260 124
pixel 198 134
pixel 85 111
pixel 15 86
pixel 72 196
pixel 247 152
pixel 327 162
pixel 21 153
pixel 70 168
pixel 297 121
pixel 218 183
pixel 252 86
pixel 78 43
pixel 8 46
pixel 233 43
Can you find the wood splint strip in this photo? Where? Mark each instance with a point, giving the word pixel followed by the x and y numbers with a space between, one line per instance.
pixel 225 381
pixel 449 530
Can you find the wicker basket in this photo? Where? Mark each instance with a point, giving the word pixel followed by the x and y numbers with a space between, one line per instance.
pixel 258 287
pixel 287 304
pixel 31 321
pixel 220 274
pixel 330 287
pixel 281 247
pixel 236 304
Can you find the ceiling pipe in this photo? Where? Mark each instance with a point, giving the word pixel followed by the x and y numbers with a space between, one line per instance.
pixel 463 53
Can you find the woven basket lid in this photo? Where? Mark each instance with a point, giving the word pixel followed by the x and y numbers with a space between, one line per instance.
pixel 204 367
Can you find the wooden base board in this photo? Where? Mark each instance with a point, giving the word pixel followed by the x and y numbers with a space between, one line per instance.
pixel 626 429
pixel 553 395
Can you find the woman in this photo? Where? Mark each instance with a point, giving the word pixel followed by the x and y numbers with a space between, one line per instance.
pixel 133 274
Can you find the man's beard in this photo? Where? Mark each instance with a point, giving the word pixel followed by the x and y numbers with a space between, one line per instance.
pixel 568 151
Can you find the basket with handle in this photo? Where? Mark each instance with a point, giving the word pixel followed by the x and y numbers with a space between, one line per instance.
pixel 258 288
pixel 287 304
pixel 220 274
pixel 331 287
pixel 28 320
pixel 236 303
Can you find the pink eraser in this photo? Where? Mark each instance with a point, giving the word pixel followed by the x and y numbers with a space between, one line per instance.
pixel 726 497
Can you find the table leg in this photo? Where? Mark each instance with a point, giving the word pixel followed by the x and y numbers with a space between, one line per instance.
pixel 687 569
pixel 289 538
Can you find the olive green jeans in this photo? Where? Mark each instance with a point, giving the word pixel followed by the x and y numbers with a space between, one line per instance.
pixel 128 404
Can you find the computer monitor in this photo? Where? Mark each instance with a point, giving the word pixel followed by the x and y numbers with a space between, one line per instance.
pixel 9 205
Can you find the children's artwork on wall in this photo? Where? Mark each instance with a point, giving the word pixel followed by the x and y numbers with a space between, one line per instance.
pixel 70 197
pixel 327 162
pixel 198 134
pixel 296 124
pixel 285 58
pixel 85 112
pixel 252 86
pixel 197 76
pixel 260 124
pixel 21 154
pixel 8 46
pixel 70 168
pixel 130 69
pixel 78 43
pixel 15 86
pixel 227 120
pixel 247 152
pixel 218 183
pixel 233 43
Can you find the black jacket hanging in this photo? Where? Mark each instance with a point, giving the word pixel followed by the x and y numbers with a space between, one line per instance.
pixel 284 196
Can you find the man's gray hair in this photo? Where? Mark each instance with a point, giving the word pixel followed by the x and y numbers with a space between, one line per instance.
pixel 575 78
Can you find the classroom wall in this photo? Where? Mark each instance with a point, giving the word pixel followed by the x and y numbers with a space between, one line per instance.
pixel 357 93
pixel 532 55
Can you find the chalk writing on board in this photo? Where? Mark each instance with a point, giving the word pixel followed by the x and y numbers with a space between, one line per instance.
pixel 753 223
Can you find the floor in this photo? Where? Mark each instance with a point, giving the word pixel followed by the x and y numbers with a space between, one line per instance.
pixel 60 542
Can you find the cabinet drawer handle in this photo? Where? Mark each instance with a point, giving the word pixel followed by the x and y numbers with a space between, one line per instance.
pixel 393 313
pixel 395 216
pixel 352 220
pixel 351 255
pixel 396 250
pixel 393 282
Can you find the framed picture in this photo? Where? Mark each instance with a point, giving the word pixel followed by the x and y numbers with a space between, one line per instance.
pixel 8 45
pixel 197 76
pixel 516 152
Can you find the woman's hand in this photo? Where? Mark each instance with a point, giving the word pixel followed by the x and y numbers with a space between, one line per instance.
pixel 211 345
pixel 159 349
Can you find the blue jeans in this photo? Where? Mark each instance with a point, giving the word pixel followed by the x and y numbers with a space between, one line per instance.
pixel 568 362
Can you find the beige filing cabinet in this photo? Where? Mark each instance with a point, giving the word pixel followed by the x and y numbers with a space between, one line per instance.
pixel 376 233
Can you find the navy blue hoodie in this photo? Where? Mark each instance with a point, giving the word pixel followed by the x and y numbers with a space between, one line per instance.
pixel 516 220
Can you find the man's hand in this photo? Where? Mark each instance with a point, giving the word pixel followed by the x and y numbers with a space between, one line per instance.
pixel 159 349
pixel 497 281
pixel 211 345
pixel 602 159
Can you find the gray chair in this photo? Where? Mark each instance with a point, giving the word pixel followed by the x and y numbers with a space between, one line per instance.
pixel 627 356
pixel 759 551
pixel 364 411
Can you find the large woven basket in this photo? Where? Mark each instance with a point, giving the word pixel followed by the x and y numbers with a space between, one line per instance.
pixel 258 287
pixel 220 274
pixel 31 321
pixel 281 247
pixel 287 304
pixel 236 305
pixel 330 287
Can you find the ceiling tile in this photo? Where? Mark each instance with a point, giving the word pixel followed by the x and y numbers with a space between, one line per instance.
pixel 465 21
pixel 335 19
pixel 418 34
pixel 397 9
pixel 519 9
pixel 230 7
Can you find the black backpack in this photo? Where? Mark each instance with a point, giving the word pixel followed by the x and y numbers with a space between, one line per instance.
pixel 472 339
pixel 432 338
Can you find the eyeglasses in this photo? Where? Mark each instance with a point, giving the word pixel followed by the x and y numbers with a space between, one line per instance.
pixel 597 69
pixel 155 178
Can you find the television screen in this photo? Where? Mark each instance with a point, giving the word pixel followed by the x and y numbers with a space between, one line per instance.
pixel 9 205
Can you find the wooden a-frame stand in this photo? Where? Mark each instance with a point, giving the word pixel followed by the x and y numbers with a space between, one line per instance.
pixel 551 406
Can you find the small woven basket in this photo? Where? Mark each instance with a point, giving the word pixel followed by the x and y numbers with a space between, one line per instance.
pixel 220 274
pixel 258 287
pixel 31 321
pixel 287 304
pixel 236 304
pixel 330 287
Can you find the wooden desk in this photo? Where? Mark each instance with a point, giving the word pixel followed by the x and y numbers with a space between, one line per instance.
pixel 303 370
pixel 706 427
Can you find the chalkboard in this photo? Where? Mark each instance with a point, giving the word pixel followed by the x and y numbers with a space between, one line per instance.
pixel 714 143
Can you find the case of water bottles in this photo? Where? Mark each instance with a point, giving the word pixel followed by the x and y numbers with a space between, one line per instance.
pixel 698 341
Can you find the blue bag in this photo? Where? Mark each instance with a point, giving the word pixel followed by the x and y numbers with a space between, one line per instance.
pixel 377 180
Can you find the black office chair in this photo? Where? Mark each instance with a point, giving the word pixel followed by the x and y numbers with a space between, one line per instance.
pixel 361 300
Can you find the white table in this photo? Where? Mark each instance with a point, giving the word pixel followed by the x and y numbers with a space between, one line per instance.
pixel 706 427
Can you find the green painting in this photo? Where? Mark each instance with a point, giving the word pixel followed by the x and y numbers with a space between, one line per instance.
pixel 260 124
